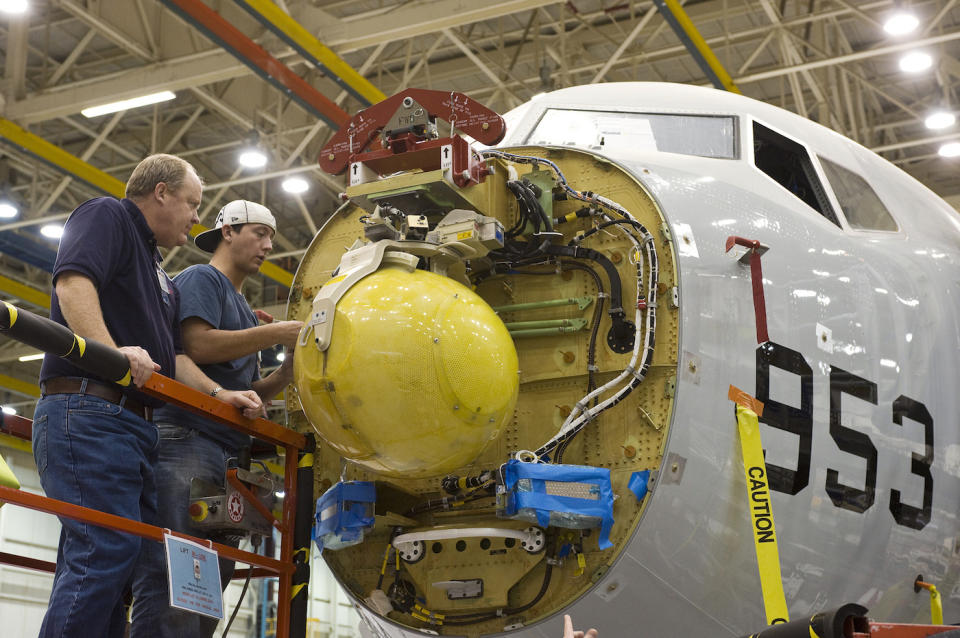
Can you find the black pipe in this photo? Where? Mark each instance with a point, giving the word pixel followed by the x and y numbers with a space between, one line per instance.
pixel 827 624
pixel 99 359
pixel 302 527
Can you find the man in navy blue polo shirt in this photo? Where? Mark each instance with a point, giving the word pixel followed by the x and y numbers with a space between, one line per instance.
pixel 93 441
pixel 222 335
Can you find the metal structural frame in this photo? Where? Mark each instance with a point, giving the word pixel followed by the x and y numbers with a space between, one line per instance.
pixel 185 397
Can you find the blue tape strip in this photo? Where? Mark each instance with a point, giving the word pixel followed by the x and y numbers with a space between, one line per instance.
pixel 543 504
pixel 352 500
pixel 638 484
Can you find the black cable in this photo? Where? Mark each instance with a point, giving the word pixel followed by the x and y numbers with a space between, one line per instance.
pixel 468 619
pixel 591 348
pixel 246 583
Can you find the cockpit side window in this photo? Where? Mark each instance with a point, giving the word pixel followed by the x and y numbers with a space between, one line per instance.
pixel 790 165
pixel 620 133
pixel 860 203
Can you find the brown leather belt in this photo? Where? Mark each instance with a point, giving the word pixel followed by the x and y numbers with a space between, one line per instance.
pixel 111 393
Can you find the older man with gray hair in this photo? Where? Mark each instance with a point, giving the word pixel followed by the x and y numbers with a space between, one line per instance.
pixel 94 442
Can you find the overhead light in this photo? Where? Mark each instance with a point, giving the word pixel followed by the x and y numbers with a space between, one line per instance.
pixel 281 356
pixel 31 357
pixel 950 149
pixel 901 23
pixel 252 158
pixel 13 6
pixel 8 210
pixel 295 185
pixel 916 61
pixel 53 231
pixel 940 119
pixel 9 410
pixel 132 103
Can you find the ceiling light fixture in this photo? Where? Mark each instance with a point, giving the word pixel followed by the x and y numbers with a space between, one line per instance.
pixel 915 61
pixel 940 119
pixel 252 158
pixel 7 409
pixel 950 149
pixel 295 185
pixel 132 103
pixel 8 210
pixel 901 23
pixel 53 231
pixel 13 6
pixel 31 357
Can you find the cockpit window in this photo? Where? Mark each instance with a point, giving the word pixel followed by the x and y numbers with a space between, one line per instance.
pixel 859 202
pixel 788 163
pixel 702 135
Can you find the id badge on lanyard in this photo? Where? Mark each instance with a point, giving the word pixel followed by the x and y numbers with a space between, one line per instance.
pixel 165 285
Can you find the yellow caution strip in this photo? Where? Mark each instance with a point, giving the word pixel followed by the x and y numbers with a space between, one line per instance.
pixel 289 30
pixel 760 505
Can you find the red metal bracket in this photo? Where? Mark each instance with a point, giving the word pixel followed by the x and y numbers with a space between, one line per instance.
pixel 464 113
pixel 755 249
pixel 253 500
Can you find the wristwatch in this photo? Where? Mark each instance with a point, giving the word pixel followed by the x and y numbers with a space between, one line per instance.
pixel 214 392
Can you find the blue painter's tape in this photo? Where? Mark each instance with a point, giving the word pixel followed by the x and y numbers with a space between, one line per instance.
pixel 556 510
pixel 638 484
pixel 344 514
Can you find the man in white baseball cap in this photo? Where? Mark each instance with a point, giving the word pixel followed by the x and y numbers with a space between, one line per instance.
pixel 221 334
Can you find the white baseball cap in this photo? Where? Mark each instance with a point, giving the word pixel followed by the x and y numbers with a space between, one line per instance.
pixel 239 211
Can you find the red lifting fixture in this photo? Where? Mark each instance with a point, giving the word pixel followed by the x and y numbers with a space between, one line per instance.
pixel 410 138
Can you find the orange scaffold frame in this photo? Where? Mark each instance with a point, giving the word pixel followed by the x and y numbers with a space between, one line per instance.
pixel 185 397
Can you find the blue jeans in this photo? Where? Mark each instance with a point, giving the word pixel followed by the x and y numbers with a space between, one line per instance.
pixel 93 453
pixel 184 454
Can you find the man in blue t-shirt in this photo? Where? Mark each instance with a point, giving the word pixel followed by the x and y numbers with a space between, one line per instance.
pixel 221 333
pixel 93 441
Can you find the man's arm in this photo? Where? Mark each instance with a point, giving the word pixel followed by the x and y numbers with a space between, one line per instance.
pixel 80 305
pixel 273 383
pixel 191 375
pixel 206 344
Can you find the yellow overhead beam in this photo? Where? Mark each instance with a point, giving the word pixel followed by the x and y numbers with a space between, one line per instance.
pixel 289 30
pixel 17 444
pixel 24 292
pixel 76 167
pixel 678 19
pixel 20 387
pixel 60 159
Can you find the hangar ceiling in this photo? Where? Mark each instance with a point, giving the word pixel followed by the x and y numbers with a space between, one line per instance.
pixel 829 60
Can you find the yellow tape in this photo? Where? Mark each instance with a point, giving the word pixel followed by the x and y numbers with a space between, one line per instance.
pixel 125 380
pixel 936 607
pixel 296 590
pixel 81 344
pixel 306 461
pixel 13 313
pixel 761 516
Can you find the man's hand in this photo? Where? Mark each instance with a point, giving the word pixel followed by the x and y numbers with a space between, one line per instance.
pixel 141 365
pixel 287 332
pixel 568 631
pixel 246 400
pixel 263 316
